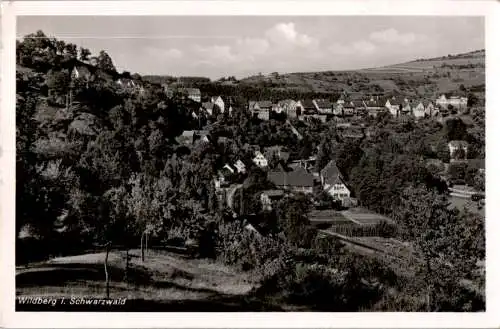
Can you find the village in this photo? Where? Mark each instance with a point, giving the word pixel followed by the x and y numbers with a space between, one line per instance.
pixel 187 189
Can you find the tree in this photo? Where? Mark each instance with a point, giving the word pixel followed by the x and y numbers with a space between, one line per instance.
pixel 58 81
pixel 60 46
pixel 84 54
pixel 443 152
pixel 455 129
pixel 447 251
pixel 104 62
pixel 293 221
pixel 71 50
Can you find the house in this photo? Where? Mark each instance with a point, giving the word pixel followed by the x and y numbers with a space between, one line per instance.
pixel 338 109
pixel 193 94
pixel 219 102
pixel 418 109
pixel 323 106
pixel 240 167
pixel 81 72
pixel 348 108
pixel 267 198
pixel 289 107
pixel 306 107
pixel 359 106
pixel 397 105
pixel 333 183
pixel 455 101
pixel 189 137
pixel 455 146
pixel 374 106
pixel 186 138
pixel 299 180
pixel 260 160
pixel 130 85
pixel 430 109
pixel 208 107
pixel 260 109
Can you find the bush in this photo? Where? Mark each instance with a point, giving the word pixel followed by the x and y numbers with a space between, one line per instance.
pixel 239 246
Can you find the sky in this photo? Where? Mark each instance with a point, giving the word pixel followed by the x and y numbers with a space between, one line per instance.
pixel 219 46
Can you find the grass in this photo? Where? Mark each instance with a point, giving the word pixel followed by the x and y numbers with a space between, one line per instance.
pixel 162 278
pixel 462 203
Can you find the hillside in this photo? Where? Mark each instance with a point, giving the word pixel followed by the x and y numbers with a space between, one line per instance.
pixel 422 77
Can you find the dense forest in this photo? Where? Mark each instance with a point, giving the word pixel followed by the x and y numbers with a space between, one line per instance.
pixel 97 164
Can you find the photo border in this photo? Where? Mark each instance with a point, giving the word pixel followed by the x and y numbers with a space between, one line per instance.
pixel 10 11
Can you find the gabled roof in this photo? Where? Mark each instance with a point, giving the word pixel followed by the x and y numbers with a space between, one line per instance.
pixel 458 143
pixel 208 105
pixel 308 104
pixel 193 91
pixel 297 178
pixel 358 103
pixel 323 103
pixel 330 170
pixel 82 69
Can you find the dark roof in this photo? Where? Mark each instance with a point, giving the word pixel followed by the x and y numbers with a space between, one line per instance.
pixel 331 173
pixel 308 104
pixel 298 177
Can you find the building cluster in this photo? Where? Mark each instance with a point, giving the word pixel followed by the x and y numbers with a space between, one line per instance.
pixel 288 177
pixel 346 106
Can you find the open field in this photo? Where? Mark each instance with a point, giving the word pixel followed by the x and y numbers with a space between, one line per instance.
pixel 363 216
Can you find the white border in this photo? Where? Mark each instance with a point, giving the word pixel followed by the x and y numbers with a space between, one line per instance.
pixel 9 318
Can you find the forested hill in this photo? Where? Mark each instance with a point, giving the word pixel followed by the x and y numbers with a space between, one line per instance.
pixel 85 142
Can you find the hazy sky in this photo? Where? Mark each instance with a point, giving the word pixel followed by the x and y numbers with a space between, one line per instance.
pixel 218 46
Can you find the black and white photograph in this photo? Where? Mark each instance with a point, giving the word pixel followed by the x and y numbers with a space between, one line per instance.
pixel 249 163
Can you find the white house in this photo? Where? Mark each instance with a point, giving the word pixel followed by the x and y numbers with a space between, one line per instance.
pixel 397 105
pixel 289 106
pixel 260 160
pixel 333 184
pixel 219 102
pixel 240 167
pixel 455 101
